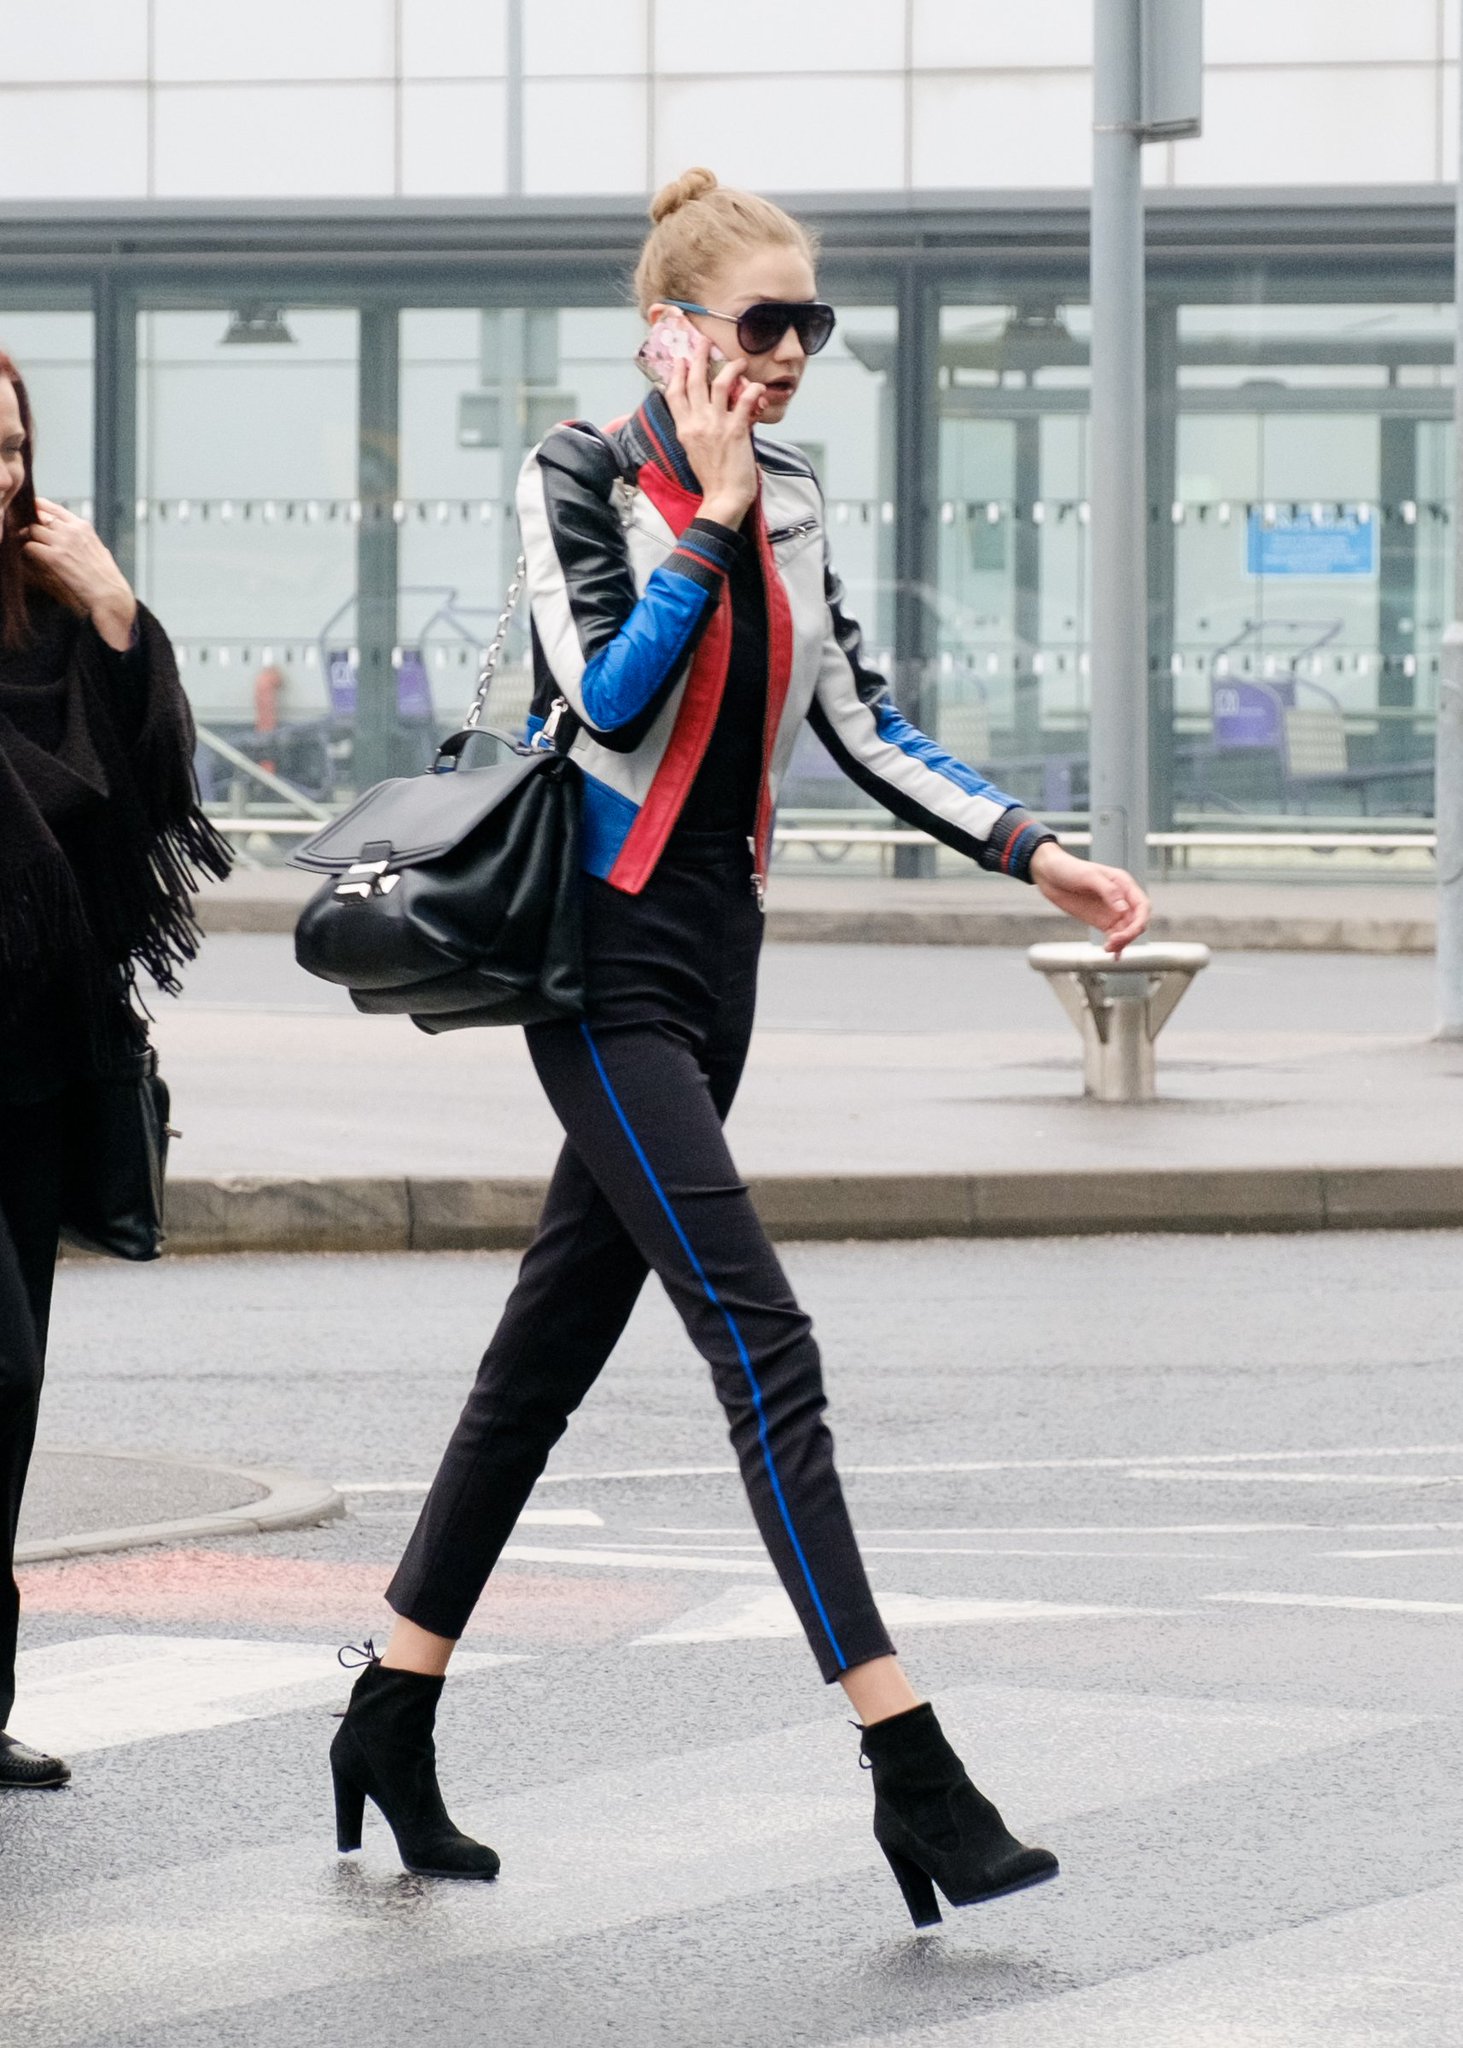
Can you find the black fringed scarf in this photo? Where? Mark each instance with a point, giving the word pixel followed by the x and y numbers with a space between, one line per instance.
pixel 102 842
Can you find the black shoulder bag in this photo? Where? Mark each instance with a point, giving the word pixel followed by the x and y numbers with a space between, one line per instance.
pixel 454 896
pixel 116 1157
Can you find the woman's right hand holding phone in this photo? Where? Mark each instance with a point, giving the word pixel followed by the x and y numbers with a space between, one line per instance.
pixel 714 420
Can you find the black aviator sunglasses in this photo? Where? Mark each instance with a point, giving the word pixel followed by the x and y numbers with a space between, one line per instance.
pixel 763 325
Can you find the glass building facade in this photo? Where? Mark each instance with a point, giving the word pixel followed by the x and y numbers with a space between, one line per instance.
pixel 298 426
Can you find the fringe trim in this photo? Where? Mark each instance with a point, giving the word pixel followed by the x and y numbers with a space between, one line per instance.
pixel 178 862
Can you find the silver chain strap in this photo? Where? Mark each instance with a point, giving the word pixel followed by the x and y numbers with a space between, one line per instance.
pixel 495 649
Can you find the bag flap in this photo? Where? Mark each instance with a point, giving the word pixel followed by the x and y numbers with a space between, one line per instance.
pixel 416 817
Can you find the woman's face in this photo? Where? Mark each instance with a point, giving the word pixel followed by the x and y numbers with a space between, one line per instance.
pixel 773 272
pixel 12 445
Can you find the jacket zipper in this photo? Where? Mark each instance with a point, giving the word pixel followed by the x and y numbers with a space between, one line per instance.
pixel 759 880
pixel 792 532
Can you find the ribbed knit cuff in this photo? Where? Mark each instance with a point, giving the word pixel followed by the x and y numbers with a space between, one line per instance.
pixel 1013 841
pixel 705 553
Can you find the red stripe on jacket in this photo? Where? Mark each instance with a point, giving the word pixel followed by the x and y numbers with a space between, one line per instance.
pixel 695 717
pixel 779 677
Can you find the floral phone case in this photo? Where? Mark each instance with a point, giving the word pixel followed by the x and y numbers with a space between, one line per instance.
pixel 671 340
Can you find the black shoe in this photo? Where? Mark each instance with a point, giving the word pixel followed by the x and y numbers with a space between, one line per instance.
pixel 29 1770
pixel 933 1825
pixel 383 1750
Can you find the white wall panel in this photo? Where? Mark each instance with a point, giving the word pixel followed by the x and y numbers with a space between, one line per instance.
pixel 773 36
pixel 1032 129
pixel 286 39
pixel 784 134
pixel 275 141
pixel 452 137
pixel 1368 125
pixel 992 34
pixel 1447 161
pixel 454 38
pixel 89 40
pixel 584 135
pixel 1321 31
pixel 75 142
pixel 599 38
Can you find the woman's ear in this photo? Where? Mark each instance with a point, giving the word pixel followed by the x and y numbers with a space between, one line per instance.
pixel 658 310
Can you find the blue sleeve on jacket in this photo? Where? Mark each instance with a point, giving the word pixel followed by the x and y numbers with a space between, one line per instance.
pixel 629 672
pixel 894 727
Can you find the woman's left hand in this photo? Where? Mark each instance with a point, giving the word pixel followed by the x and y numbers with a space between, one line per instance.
pixel 1103 897
pixel 71 550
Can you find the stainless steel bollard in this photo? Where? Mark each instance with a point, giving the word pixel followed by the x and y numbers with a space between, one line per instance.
pixel 1119 1006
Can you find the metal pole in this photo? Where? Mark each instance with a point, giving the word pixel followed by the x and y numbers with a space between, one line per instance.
pixel 376 746
pixel 1119 715
pixel 1450 711
pixel 916 494
pixel 513 126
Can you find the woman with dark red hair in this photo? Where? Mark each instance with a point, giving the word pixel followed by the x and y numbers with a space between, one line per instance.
pixel 100 843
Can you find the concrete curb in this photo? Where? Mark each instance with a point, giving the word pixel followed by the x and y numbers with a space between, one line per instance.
pixel 942 925
pixel 245 1214
pixel 923 925
pixel 291 1500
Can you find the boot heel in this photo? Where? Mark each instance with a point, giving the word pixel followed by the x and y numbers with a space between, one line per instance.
pixel 350 1811
pixel 918 1889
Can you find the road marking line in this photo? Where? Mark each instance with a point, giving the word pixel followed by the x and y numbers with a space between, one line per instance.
pixel 740 1617
pixel 1097 1464
pixel 633 1560
pixel 102 1692
pixel 555 1518
pixel 1131 1529
pixel 1170 1478
pixel 957 1550
pixel 1363 1602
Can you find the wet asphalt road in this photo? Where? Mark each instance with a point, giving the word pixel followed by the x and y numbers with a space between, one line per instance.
pixel 1171 1530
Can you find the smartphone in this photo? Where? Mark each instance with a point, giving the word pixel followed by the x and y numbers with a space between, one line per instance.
pixel 671 340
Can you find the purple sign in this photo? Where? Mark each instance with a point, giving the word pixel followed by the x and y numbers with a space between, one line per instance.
pixel 1247 715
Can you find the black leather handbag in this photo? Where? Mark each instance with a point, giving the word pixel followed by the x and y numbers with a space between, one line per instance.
pixel 454 896
pixel 116 1161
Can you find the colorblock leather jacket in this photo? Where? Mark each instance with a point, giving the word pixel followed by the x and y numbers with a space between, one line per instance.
pixel 631 625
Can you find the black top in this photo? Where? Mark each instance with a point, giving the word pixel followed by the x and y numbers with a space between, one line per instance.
pixel 723 797
pixel 48 1033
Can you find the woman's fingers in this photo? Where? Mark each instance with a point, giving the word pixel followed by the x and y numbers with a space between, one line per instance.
pixel 698 374
pixel 725 390
pixel 675 391
pixel 746 405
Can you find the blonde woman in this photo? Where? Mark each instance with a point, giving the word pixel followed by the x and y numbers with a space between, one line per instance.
pixel 684 605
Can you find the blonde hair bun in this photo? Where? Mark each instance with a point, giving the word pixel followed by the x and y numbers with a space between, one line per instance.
pixel 698 225
pixel 691 185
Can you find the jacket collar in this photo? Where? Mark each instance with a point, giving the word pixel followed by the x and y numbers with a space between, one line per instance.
pixel 652 432
pixel 650 437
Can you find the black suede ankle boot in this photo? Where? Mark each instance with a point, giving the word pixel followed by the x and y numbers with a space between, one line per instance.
pixel 933 1825
pixel 383 1750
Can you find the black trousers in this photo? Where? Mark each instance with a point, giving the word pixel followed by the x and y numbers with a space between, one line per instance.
pixel 31 1145
pixel 645 1184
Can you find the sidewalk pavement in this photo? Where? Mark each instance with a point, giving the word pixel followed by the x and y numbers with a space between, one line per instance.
pixel 81 1502
pixel 922 1092
pixel 989 910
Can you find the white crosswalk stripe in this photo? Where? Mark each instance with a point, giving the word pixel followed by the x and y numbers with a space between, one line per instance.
pixel 741 1617
pixel 105 1691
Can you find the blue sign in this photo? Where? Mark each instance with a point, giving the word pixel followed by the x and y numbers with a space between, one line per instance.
pixel 1299 544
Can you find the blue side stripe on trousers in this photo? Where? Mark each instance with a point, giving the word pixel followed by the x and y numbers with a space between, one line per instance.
pixel 716 1301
